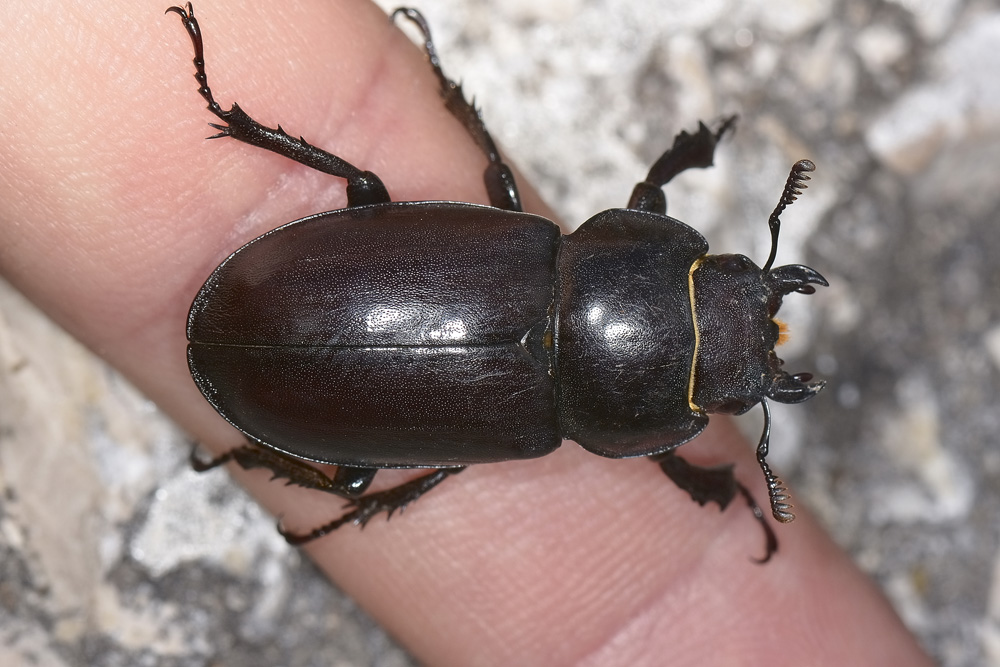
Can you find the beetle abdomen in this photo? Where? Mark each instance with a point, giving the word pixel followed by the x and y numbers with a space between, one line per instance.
pixel 386 335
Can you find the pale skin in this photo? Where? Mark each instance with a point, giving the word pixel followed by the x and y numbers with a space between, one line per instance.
pixel 107 183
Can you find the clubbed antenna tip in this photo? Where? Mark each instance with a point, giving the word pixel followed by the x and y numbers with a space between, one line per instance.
pixel 794 186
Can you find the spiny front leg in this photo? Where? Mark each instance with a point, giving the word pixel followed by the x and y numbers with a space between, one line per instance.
pixel 363 187
pixel 689 151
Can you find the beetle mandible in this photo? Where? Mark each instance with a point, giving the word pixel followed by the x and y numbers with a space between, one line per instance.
pixel 441 334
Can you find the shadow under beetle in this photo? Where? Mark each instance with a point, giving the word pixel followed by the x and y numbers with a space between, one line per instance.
pixel 442 334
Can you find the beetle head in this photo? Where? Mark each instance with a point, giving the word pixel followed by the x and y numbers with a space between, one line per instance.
pixel 735 364
pixel 735 303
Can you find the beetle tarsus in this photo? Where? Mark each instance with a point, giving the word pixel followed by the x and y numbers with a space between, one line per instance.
pixel 498 177
pixel 363 187
pixel 770 539
pixel 194 32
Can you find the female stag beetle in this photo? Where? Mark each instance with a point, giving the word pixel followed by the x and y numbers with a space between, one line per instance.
pixel 441 334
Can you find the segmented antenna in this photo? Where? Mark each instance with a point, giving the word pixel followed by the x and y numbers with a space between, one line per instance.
pixel 794 186
pixel 776 491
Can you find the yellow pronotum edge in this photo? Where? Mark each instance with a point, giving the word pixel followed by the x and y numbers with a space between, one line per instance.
pixel 697 335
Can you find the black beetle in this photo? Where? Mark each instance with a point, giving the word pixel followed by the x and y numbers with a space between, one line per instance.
pixel 442 334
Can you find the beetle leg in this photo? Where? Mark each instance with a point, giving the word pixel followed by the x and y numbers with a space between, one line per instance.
pixel 717 484
pixel 347 482
pixel 689 151
pixel 499 179
pixel 779 497
pixel 366 507
pixel 363 187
